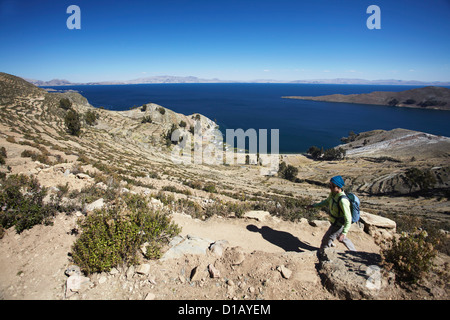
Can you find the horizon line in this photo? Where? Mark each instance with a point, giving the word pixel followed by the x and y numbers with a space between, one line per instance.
pixel 195 79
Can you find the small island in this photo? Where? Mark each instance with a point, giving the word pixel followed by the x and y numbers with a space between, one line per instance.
pixel 427 97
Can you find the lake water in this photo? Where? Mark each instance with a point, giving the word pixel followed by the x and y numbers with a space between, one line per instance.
pixel 301 123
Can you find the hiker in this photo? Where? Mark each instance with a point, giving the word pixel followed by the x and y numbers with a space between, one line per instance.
pixel 341 216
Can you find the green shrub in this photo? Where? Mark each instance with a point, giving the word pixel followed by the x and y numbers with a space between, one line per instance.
pixel 287 172
pixel 411 256
pixel 114 235
pixel 288 208
pixel 41 157
pixel 329 154
pixel 146 119
pixel 351 137
pixel 73 124
pixel 210 187
pixel 21 203
pixel 315 152
pixel 65 103
pixel 334 154
pixel 91 117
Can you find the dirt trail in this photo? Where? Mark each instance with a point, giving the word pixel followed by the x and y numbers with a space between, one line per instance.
pixel 271 235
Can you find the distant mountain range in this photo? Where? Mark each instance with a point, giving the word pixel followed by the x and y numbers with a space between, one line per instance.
pixel 191 79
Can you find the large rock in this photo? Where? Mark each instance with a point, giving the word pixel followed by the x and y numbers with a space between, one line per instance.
pixel 188 245
pixel 76 284
pixel 378 226
pixel 354 275
pixel 97 204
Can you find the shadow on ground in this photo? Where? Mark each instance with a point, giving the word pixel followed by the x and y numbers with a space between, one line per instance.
pixel 282 239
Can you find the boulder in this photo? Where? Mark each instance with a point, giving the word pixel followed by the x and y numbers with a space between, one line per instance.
pixel 97 204
pixel 197 273
pixel 213 272
pixel 285 272
pixel 76 284
pixel 377 221
pixel 188 245
pixel 354 275
pixel 378 226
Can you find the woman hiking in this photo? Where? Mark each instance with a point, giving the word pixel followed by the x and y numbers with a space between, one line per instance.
pixel 340 215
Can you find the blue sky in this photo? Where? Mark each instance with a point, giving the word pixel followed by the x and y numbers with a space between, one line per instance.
pixel 236 40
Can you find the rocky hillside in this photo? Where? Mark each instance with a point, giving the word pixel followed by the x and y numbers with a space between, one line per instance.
pixel 427 152
pixel 243 235
pixel 427 97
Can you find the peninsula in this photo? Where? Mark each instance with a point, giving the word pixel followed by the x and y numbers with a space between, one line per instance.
pixel 427 97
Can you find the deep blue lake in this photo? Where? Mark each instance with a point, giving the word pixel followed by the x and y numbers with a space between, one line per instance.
pixel 260 106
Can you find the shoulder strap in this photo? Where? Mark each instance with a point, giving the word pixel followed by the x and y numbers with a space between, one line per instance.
pixel 344 196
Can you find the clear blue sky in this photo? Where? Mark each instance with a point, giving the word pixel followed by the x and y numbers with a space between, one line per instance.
pixel 236 40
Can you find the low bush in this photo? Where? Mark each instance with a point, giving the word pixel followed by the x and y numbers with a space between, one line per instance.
pixel 288 208
pixel 91 117
pixel 351 137
pixel 210 187
pixel 287 172
pixel 334 154
pixel 329 154
pixel 411 256
pixel 21 203
pixel 113 235
pixel 65 104
pixel 146 119
pixel 41 157
pixel 73 124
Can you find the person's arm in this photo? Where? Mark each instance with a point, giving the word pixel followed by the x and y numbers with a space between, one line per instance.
pixel 322 203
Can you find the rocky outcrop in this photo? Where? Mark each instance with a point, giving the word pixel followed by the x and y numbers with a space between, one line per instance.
pixel 354 275
pixel 377 226
pixel 399 144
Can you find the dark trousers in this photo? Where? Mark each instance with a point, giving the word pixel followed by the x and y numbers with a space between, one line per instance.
pixel 332 233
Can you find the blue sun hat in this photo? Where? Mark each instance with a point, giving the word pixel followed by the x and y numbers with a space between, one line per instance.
pixel 338 181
